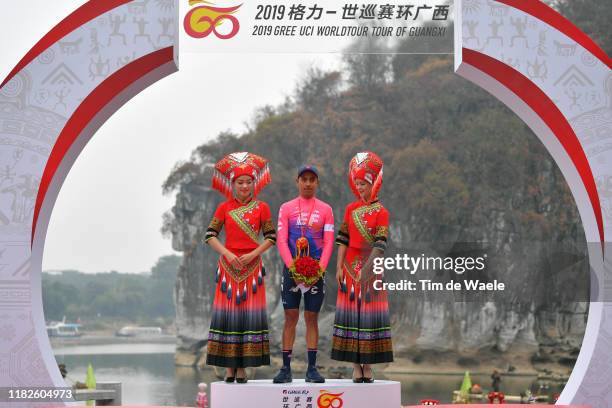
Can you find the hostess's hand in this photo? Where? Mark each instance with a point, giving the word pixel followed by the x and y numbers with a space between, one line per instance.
pixel 367 271
pixel 233 260
pixel 247 258
pixel 339 275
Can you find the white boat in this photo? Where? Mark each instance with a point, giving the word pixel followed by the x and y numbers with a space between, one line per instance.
pixel 61 329
pixel 139 331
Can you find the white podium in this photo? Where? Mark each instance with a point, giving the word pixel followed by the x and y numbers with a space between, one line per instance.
pixel 300 394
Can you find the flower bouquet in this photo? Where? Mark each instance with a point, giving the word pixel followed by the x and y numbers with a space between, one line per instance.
pixel 305 270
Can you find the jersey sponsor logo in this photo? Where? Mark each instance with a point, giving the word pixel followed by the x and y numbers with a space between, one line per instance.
pixel 301 221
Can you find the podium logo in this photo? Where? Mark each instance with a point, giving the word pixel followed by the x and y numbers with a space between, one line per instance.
pixel 329 400
pixel 201 21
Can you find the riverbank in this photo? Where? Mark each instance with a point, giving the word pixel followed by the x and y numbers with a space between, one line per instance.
pixel 511 364
pixel 103 338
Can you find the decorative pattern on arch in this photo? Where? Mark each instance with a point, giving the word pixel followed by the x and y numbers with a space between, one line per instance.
pixel 51 104
pixel 559 82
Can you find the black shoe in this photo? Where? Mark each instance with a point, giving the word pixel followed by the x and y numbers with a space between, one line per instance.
pixel 241 380
pixel 358 379
pixel 312 375
pixel 283 376
pixel 232 378
pixel 368 380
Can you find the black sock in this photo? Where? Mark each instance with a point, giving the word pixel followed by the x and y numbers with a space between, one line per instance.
pixel 312 357
pixel 287 358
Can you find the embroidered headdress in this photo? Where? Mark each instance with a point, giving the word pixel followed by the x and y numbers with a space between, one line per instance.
pixel 240 164
pixel 369 167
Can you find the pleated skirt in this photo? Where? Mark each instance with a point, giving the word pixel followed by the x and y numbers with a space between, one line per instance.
pixel 362 329
pixel 238 335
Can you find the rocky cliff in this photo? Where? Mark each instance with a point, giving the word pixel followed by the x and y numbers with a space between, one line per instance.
pixel 539 310
pixel 462 176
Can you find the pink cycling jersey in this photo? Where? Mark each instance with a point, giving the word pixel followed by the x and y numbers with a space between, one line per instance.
pixel 294 220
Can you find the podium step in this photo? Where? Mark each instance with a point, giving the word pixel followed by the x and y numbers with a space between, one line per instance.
pixel 300 394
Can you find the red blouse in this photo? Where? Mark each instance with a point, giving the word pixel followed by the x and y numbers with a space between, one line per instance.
pixel 242 223
pixel 364 226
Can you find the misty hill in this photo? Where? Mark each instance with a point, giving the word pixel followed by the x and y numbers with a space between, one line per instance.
pixel 108 296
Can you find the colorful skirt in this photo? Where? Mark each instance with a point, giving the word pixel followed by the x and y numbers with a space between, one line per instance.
pixel 362 330
pixel 238 335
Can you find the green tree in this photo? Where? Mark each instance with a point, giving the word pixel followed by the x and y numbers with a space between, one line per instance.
pixel 57 297
pixel 166 267
pixel 137 297
pixel 160 299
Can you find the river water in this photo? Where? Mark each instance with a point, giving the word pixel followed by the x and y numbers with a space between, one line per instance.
pixel 149 376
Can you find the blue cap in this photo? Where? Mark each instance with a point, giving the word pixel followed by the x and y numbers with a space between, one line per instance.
pixel 307 167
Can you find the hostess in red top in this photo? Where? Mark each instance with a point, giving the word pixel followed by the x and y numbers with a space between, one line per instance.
pixel 242 223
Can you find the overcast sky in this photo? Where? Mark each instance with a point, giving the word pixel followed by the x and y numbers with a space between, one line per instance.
pixel 109 210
